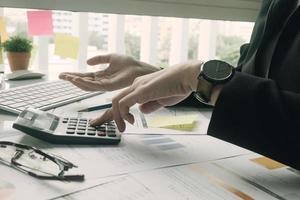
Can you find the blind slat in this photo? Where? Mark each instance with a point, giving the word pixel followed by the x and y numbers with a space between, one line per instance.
pixel 239 10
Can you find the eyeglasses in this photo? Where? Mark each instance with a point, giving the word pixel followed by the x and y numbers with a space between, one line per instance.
pixel 36 163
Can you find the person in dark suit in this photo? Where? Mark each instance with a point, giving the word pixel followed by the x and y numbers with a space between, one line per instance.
pixel 256 106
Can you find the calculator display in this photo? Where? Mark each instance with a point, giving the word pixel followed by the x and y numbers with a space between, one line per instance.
pixel 44 121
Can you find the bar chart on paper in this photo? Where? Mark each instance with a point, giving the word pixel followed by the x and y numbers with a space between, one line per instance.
pixel 161 142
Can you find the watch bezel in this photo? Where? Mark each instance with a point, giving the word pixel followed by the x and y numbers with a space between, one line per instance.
pixel 216 80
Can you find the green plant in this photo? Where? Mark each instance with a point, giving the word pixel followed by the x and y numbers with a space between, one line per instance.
pixel 17 44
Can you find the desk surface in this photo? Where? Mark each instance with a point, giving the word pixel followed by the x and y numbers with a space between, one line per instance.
pixel 197 167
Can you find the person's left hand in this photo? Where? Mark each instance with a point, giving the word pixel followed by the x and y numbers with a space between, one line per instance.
pixel 153 91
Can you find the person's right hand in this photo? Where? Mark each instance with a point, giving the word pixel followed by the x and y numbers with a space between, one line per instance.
pixel 120 73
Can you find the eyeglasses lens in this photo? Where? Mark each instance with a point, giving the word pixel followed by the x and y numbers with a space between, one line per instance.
pixel 28 160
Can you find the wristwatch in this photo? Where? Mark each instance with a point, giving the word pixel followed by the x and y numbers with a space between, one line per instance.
pixel 213 72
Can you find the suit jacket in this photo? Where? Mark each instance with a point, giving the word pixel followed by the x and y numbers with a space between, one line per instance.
pixel 259 109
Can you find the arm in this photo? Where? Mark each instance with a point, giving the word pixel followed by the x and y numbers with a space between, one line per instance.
pixel 254 113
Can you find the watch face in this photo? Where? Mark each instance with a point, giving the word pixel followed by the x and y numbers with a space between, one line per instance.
pixel 217 70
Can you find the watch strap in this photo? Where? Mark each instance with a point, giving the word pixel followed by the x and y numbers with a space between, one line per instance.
pixel 204 89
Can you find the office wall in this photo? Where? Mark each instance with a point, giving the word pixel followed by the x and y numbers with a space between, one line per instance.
pixel 236 10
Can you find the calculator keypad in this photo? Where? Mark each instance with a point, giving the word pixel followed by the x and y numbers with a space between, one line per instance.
pixel 81 127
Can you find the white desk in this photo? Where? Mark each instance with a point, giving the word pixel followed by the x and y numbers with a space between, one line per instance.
pixel 198 167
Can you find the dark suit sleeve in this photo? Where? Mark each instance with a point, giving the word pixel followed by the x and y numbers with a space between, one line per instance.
pixel 254 113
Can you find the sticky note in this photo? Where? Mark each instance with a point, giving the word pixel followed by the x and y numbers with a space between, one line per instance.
pixel 40 22
pixel 66 46
pixel 183 123
pixel 3 33
pixel 268 163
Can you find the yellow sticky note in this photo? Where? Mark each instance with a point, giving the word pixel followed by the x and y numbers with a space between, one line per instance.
pixel 3 33
pixel 183 123
pixel 66 46
pixel 268 163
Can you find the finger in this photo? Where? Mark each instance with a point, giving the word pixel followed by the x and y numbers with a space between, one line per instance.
pixel 107 116
pixel 104 84
pixel 101 59
pixel 130 118
pixel 127 101
pixel 150 107
pixel 64 74
pixel 116 110
pixel 69 77
pixel 80 86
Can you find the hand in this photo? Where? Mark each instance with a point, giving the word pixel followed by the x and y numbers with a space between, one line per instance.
pixel 120 73
pixel 153 91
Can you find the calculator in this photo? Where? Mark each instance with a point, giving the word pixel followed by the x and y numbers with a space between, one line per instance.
pixel 65 130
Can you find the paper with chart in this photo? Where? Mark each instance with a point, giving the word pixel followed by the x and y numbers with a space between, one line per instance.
pixel 138 153
pixel 279 181
pixel 194 182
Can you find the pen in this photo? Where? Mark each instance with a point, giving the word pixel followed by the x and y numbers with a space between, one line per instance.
pixel 100 107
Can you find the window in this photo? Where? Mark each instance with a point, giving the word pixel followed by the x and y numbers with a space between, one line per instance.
pixel 162 41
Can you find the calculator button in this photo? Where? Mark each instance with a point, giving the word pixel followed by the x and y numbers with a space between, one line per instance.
pixel 100 133
pixel 111 134
pixel 65 120
pixel 91 132
pixel 80 132
pixel 81 127
pixel 100 128
pixel 70 131
pixel 111 129
pixel 73 118
pixel 91 128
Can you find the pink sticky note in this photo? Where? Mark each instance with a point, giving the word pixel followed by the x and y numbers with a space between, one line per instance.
pixel 40 22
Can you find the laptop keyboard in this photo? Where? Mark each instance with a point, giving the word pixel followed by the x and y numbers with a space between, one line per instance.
pixel 43 96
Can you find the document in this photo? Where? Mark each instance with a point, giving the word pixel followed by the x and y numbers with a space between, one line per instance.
pixel 17 185
pixel 6 130
pixel 279 181
pixel 125 188
pixel 193 181
pixel 137 153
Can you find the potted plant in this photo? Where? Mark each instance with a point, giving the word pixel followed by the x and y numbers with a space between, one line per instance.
pixel 18 52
